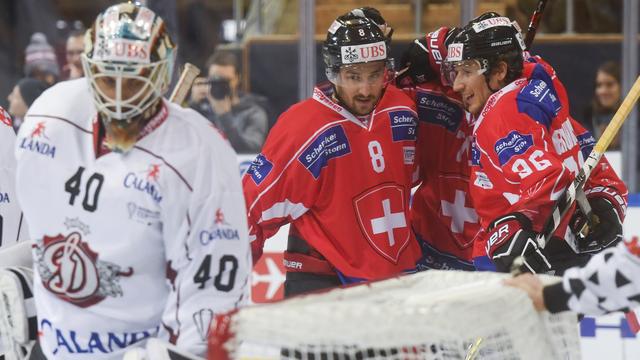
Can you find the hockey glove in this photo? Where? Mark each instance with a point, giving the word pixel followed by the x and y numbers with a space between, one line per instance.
pixel 608 209
pixel 18 323
pixel 511 237
pixel 423 58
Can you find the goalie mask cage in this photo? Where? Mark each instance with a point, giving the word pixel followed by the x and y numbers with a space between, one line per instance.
pixel 439 315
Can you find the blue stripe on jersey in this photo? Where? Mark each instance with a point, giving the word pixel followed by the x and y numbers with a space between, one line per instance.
pixel 403 125
pixel 511 145
pixel 331 143
pixel 539 98
pixel 259 169
pixel 438 110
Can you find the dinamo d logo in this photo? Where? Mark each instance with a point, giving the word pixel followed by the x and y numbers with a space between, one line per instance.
pixel 71 270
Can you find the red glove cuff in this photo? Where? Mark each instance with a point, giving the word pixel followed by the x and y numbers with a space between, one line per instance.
pixel 618 201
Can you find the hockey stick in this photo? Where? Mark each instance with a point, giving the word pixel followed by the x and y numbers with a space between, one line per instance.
pixel 533 24
pixel 188 75
pixel 563 204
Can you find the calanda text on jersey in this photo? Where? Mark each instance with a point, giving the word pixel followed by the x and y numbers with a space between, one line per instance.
pixel 342 182
pixel 12 225
pixel 152 242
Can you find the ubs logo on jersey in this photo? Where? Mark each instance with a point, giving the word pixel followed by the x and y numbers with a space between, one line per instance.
pixel 71 270
pixel 35 142
pixel 511 145
pixel 145 181
pixel 259 169
pixel 221 230
pixel 403 125
pixel 331 143
pixel 439 110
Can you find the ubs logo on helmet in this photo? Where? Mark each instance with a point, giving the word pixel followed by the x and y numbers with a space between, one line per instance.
pixel 364 53
pixel 71 270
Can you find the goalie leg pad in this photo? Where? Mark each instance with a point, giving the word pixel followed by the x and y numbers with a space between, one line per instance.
pixel 18 322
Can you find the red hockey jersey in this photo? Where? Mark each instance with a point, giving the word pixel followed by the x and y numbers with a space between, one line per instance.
pixel 528 149
pixel 442 214
pixel 342 183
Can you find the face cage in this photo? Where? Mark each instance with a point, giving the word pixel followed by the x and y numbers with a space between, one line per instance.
pixel 449 72
pixel 119 109
pixel 333 74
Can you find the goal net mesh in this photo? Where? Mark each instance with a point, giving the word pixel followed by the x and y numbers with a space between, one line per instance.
pixel 439 315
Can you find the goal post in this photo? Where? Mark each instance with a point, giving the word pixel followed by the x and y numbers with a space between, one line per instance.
pixel 428 315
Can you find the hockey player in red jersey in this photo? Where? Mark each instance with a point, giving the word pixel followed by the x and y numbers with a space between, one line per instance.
pixel 526 151
pixel 339 168
pixel 442 215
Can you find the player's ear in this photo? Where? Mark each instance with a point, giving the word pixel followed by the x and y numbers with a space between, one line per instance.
pixel 498 75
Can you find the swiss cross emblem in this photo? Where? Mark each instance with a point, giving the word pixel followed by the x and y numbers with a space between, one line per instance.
pixel 381 216
pixel 461 216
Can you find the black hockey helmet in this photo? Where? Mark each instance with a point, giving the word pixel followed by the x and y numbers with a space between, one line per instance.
pixel 352 39
pixel 374 15
pixel 488 38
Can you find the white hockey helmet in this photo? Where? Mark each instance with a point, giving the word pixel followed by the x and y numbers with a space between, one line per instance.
pixel 128 40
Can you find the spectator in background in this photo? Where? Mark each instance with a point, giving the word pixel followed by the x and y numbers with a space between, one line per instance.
pixel 605 102
pixel 240 116
pixel 40 60
pixel 74 48
pixel 21 98
pixel 198 97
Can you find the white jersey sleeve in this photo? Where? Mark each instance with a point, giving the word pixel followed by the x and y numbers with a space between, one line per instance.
pixel 208 254
pixel 609 282
pixel 12 227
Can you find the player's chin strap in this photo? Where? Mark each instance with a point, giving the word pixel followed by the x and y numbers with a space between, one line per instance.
pixel 18 322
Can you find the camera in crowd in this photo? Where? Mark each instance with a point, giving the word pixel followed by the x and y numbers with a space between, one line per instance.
pixel 219 87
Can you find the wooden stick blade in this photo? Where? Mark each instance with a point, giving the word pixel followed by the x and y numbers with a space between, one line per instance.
pixel 188 75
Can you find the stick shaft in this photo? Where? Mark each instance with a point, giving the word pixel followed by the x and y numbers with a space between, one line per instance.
pixel 565 201
pixel 534 23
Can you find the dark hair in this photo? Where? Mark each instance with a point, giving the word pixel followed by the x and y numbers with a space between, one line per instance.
pixel 514 62
pixel 223 58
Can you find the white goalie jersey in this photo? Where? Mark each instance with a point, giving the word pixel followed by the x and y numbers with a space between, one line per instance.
pixel 12 226
pixel 149 243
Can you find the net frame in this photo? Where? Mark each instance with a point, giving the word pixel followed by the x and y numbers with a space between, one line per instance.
pixel 428 315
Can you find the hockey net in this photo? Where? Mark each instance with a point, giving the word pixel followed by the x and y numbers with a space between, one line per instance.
pixel 442 315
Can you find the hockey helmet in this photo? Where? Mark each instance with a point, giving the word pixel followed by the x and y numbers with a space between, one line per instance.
pixel 128 41
pixel 353 40
pixel 485 40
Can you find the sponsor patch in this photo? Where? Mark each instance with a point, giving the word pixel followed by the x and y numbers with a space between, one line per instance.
pixel 482 181
pixel 259 169
pixel 491 23
pixel 438 110
pixel 142 215
pixel 512 145
pixel 475 154
pixel 586 142
pixel 538 98
pixel 363 53
pixel 123 50
pixel 38 141
pixel 454 52
pixel 403 125
pixel 145 181
pixel 331 143
pixel 409 154
pixel 221 230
